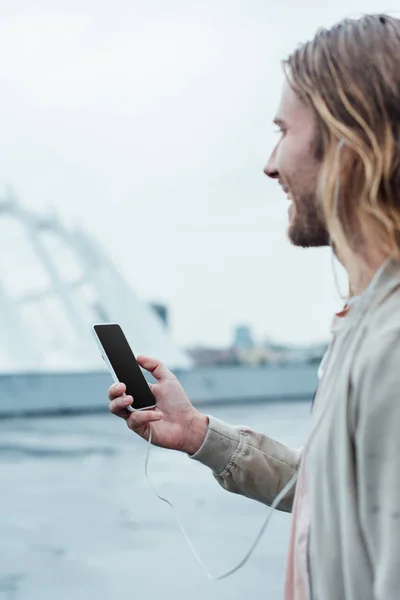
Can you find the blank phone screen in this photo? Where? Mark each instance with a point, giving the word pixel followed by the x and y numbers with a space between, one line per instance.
pixel 124 363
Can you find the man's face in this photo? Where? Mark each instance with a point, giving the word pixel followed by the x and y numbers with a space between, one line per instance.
pixel 294 164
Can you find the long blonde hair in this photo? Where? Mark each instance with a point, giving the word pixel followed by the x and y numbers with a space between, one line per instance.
pixel 350 75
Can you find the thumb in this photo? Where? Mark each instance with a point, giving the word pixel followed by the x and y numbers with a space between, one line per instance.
pixel 154 366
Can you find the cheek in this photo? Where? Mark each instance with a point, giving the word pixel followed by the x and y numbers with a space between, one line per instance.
pixel 295 163
pixel 284 160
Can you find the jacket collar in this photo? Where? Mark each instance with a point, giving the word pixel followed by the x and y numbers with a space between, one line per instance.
pixel 383 283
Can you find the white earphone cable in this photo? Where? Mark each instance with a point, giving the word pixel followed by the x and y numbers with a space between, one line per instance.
pixel 189 542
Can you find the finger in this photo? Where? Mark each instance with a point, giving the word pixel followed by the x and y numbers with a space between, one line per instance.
pixel 155 367
pixel 119 406
pixel 115 390
pixel 139 418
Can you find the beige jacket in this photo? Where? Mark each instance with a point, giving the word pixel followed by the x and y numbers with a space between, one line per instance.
pixel 352 456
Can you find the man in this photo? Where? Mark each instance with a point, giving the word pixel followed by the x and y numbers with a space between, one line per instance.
pixel 338 159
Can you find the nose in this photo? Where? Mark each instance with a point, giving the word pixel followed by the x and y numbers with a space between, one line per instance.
pixel 271 169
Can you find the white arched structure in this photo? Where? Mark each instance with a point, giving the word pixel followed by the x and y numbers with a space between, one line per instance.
pixel 55 282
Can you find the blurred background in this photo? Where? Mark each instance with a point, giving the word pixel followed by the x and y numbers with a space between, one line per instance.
pixel 133 140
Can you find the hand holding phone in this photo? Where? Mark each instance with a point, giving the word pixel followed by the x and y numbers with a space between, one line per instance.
pixel 175 423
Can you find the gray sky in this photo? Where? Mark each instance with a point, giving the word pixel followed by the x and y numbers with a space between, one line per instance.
pixel 149 122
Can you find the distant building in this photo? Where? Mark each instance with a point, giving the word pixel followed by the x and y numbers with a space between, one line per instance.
pixel 245 351
pixel 206 357
pixel 255 356
pixel 243 337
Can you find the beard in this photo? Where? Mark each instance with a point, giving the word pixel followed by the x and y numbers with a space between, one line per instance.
pixel 307 228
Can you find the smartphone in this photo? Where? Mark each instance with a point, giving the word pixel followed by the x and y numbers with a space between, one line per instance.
pixel 122 364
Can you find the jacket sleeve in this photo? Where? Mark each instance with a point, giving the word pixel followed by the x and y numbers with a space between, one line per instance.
pixel 377 450
pixel 249 463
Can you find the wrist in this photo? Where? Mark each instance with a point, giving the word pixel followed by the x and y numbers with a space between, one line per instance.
pixel 196 433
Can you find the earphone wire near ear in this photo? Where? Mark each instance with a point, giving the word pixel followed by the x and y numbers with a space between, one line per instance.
pixel 336 214
pixel 337 185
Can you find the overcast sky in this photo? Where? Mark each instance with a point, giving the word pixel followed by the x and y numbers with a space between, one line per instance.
pixel 149 122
